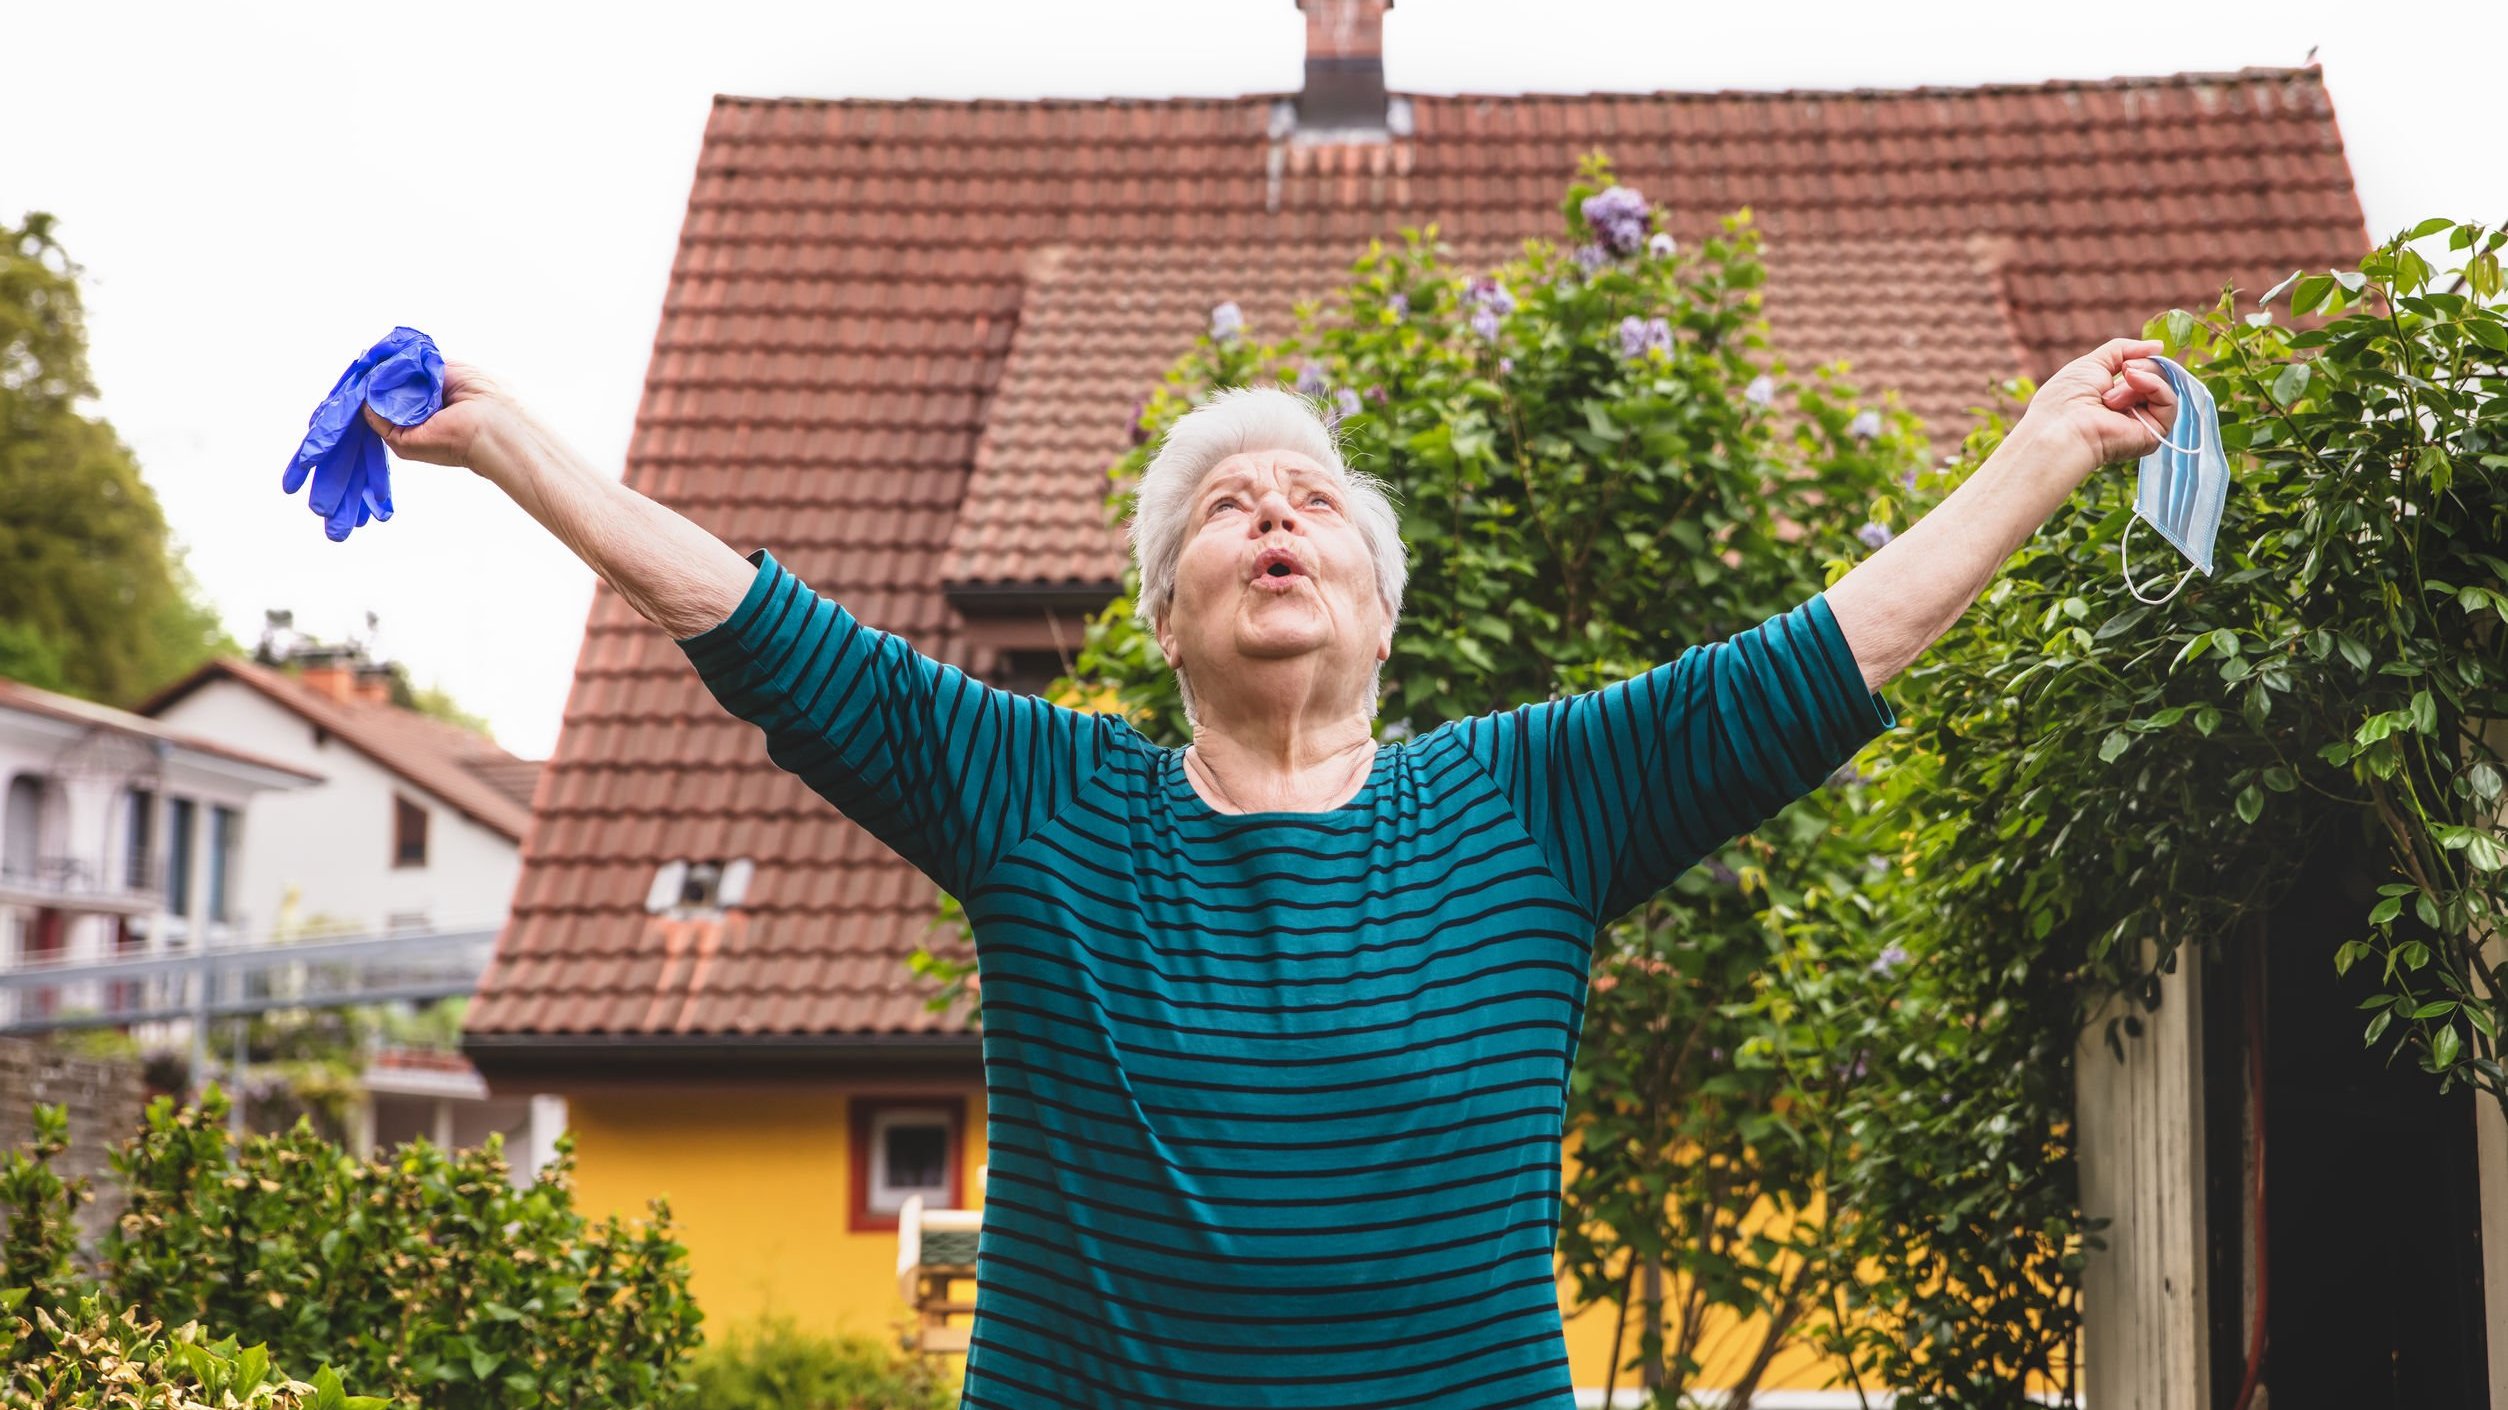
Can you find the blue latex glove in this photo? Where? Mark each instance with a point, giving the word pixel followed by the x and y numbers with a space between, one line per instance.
pixel 402 378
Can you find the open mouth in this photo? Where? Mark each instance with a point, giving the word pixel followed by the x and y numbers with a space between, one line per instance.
pixel 1277 569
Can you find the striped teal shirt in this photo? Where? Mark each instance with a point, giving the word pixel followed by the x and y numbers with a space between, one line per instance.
pixel 1275 1099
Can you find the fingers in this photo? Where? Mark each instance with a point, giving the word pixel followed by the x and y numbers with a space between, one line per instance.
pixel 2113 353
pixel 2138 382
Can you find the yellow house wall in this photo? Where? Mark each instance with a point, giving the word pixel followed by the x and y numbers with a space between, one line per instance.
pixel 758 1180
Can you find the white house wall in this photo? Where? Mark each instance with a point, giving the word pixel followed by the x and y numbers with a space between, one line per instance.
pixel 333 842
pixel 86 817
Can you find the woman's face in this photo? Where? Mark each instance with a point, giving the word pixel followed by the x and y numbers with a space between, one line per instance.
pixel 1274 568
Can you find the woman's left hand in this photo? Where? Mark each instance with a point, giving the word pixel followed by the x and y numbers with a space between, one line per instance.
pixel 2090 403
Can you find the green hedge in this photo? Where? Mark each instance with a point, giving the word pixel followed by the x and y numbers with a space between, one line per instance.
pixel 114 1361
pixel 424 1277
pixel 777 1366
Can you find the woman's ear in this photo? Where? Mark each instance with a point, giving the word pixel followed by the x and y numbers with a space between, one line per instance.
pixel 1166 638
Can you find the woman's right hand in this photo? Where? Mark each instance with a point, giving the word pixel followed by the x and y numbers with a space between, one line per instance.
pixel 473 403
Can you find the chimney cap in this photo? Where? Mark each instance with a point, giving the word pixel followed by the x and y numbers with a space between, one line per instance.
pixel 1344 98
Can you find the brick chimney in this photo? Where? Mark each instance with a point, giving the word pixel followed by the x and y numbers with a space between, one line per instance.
pixel 343 675
pixel 1345 65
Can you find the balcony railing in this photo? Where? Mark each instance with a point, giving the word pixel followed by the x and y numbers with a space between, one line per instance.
pixel 76 883
pixel 244 979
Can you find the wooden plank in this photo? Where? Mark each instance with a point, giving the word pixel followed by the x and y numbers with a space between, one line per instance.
pixel 2140 1125
pixel 2490 1139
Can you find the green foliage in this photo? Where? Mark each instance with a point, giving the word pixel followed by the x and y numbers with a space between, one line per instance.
pixel 93 598
pixel 2169 763
pixel 2089 782
pixel 37 1269
pixel 776 1366
pixel 425 1275
pixel 97 1359
pixel 435 702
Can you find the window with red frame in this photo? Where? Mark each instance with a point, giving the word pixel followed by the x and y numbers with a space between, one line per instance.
pixel 905 1146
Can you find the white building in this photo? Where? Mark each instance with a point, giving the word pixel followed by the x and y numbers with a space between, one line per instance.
pixel 121 835
pixel 418 824
pixel 416 827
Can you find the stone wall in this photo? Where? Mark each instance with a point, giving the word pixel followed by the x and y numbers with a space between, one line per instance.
pixel 104 1097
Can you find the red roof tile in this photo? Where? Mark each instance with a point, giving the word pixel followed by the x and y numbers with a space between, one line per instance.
pixel 867 313
pixel 1102 325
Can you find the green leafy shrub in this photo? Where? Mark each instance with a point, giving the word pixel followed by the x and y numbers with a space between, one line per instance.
pixel 776 1366
pixel 425 1276
pixel 2090 782
pixel 37 1253
pixel 95 1359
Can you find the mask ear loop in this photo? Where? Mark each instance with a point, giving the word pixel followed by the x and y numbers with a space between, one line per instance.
pixel 2163 435
pixel 2124 559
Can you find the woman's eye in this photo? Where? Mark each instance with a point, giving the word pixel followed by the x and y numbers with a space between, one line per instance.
pixel 1223 502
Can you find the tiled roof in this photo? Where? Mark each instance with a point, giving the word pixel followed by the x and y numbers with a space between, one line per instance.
pixel 874 302
pixel 69 709
pixel 465 771
pixel 1100 325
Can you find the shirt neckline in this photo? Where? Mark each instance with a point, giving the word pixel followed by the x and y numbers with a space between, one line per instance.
pixel 1190 801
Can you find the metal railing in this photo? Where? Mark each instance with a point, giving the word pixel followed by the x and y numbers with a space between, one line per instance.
pixel 223 981
pixel 76 879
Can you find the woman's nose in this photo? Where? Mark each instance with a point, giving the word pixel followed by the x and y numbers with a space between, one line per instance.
pixel 1274 512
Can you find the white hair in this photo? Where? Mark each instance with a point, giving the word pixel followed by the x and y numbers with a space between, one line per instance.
pixel 1232 422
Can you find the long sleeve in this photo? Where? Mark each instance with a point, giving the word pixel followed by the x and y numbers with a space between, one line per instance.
pixel 1628 786
pixel 949 772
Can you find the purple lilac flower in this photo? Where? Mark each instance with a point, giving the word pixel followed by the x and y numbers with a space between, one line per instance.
pixel 1376 394
pixel 1591 257
pixel 1723 874
pixel 1489 293
pixel 1311 380
pixel 1485 323
pixel 1640 336
pixel 1618 216
pixel 1226 321
pixel 1854 1071
pixel 1661 245
pixel 1874 535
pixel 1761 391
pixel 1505 366
pixel 1866 425
pixel 1400 303
pixel 1909 479
pixel 1715 1054
pixel 1887 963
pixel 1345 403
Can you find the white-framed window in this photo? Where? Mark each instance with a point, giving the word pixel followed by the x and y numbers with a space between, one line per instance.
pixel 909 1156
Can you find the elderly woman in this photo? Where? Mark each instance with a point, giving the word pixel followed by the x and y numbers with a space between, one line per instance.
pixel 1278 1025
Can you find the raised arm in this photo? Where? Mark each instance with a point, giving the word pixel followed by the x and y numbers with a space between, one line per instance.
pixel 1902 599
pixel 680 577
pixel 951 773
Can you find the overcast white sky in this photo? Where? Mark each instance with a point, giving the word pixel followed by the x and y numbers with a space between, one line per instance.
pixel 258 193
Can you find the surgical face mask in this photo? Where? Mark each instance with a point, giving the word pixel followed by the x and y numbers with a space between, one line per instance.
pixel 2184 483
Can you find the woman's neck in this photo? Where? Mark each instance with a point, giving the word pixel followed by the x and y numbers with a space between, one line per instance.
pixel 1289 765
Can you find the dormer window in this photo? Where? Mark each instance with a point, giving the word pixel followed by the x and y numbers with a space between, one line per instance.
pixel 698 888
